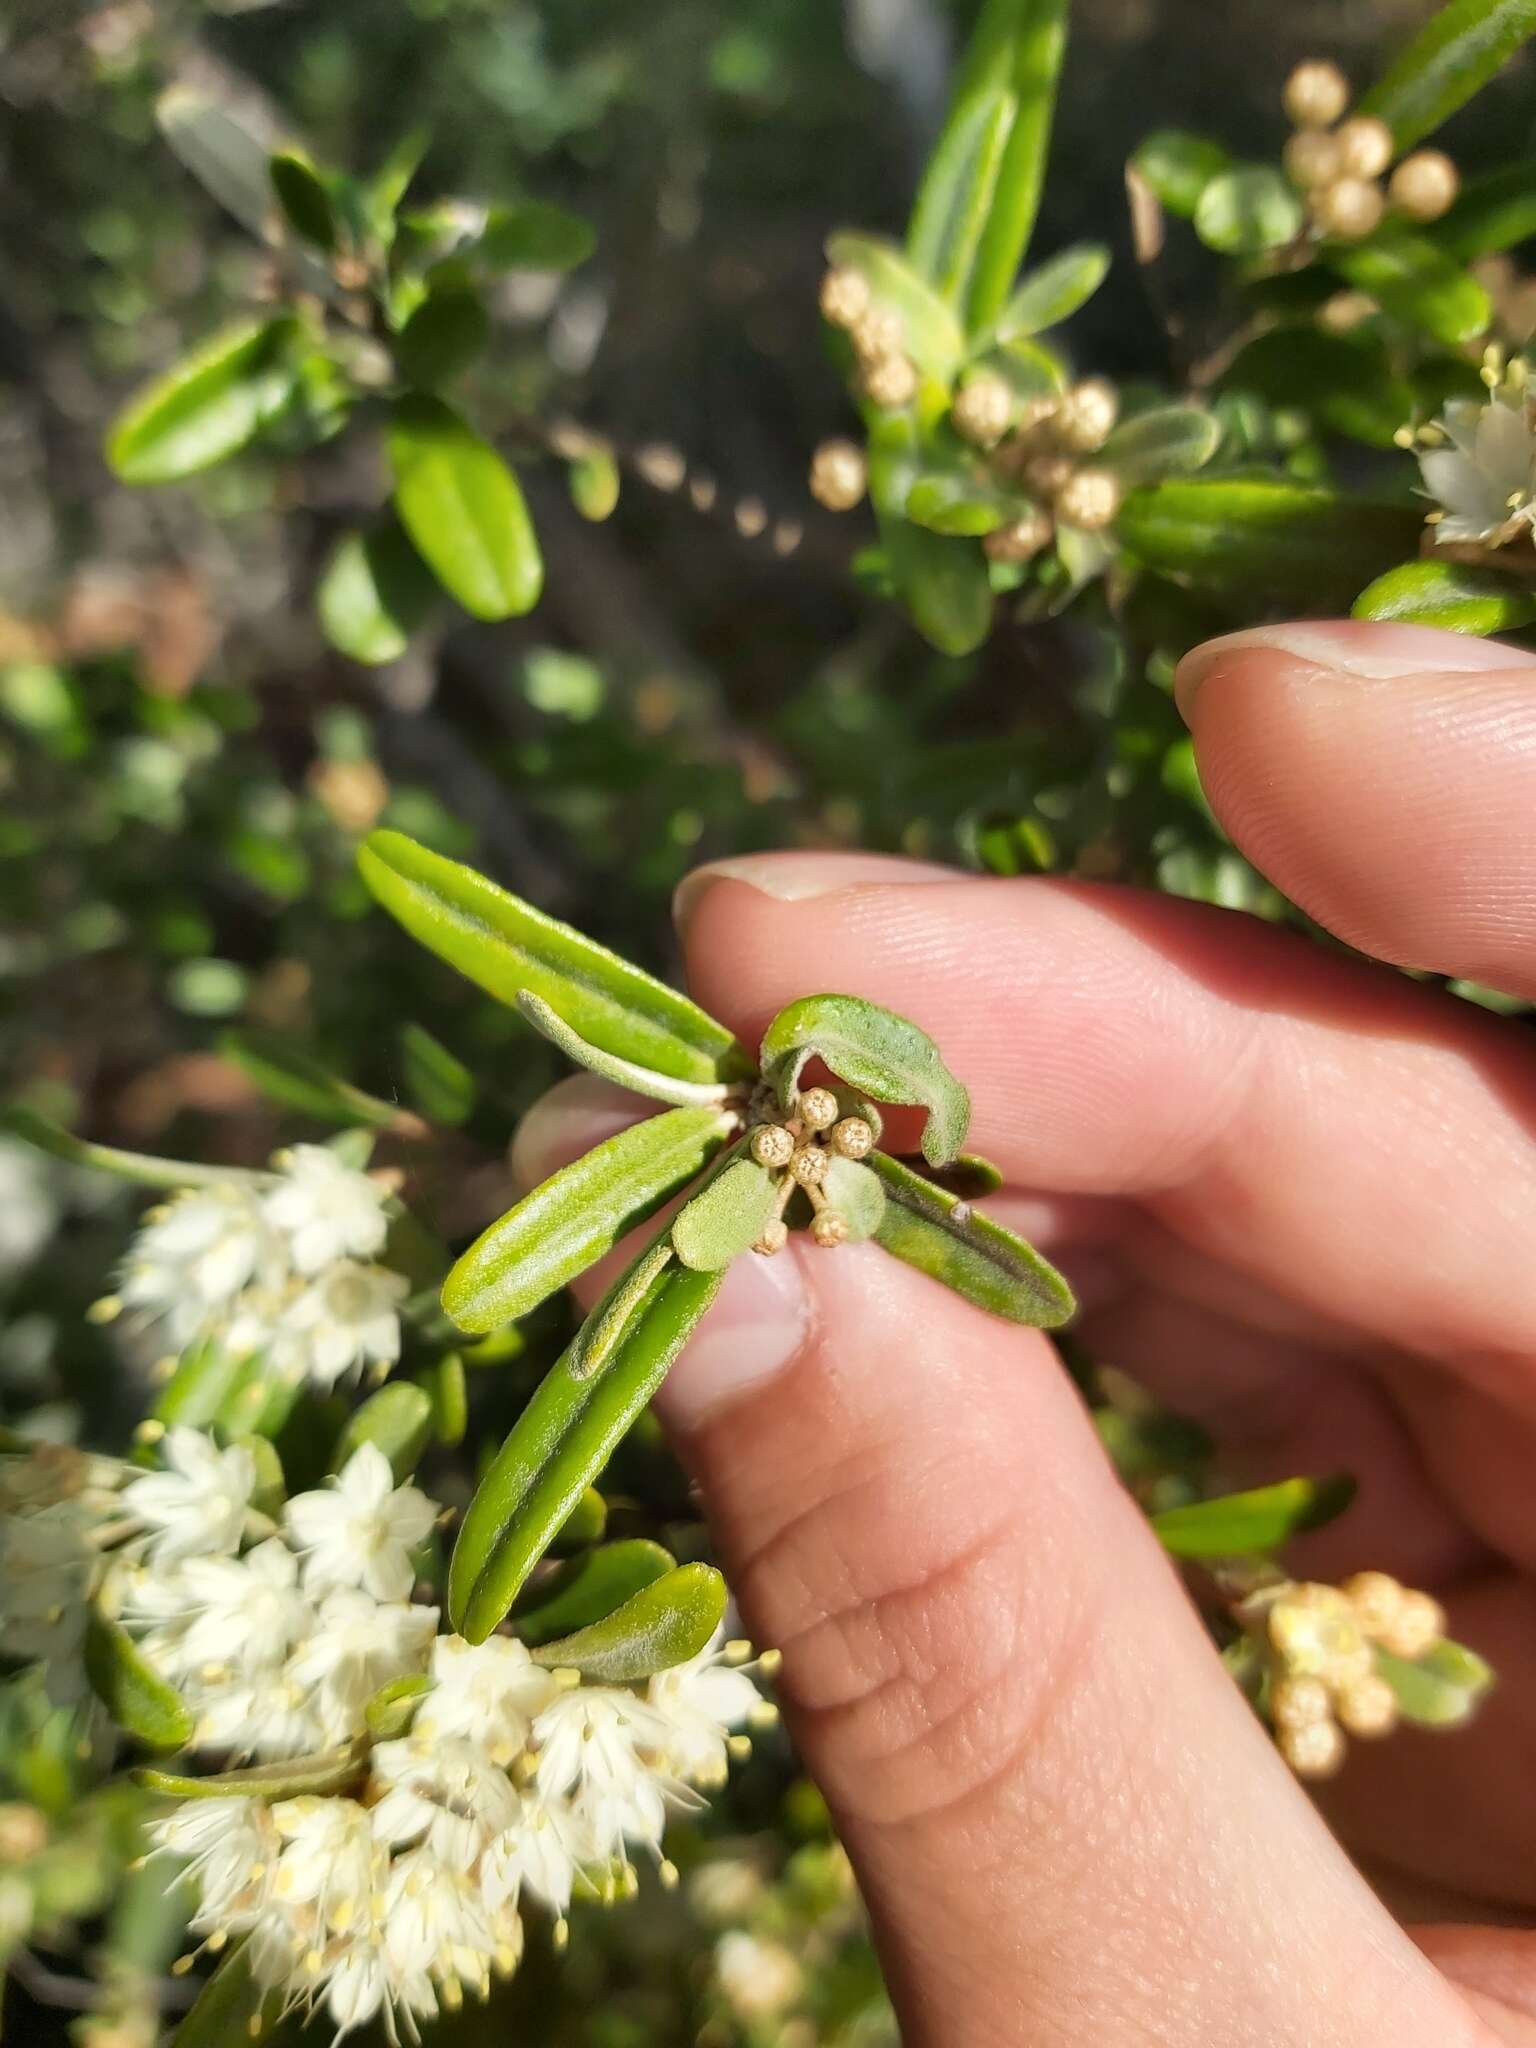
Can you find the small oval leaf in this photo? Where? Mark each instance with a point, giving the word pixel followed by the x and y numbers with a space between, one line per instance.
pixel 1166 441
pixel 1450 595
pixel 1442 1689
pixel 726 1218
pixel 376 593
pixel 589 1588
pixel 535 236
pixel 875 1051
pixel 397 1420
pixel 931 332
pixel 578 1215
pixel 944 1237
pixel 303 198
pixel 1255 1522
pixel 449 1394
pixel 442 337
pixel 666 1623
pixel 1178 167
pixel 1052 293
pixel 857 1194
pixel 1248 209
pixel 464 510
pixel 207 407
pixel 389 1714
pixel 132 1691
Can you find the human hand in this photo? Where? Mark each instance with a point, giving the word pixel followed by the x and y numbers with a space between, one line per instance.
pixel 1296 1194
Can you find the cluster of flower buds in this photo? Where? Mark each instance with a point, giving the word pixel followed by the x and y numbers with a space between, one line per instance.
pixel 1325 1683
pixel 1043 450
pixel 800 1151
pixel 1338 164
pixel 887 375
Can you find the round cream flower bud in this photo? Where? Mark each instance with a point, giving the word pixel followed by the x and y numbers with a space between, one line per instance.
pixel 1299 1702
pixel 852 1138
pixel 839 475
pixel 1084 417
pixel 817 1109
pixel 829 1229
pixel 1021 540
pixel 844 295
pixel 23 1832
pixel 1375 1598
pixel 1047 474
pixel 1417 1626
pixel 889 382
pixel 809 1166
pixel 1368 1708
pixel 1350 208
pixel 982 410
pixel 1316 93
pixel 772 1146
pixel 1424 185
pixel 878 333
pixel 1089 499
pixel 1364 145
pixel 774 1238
pixel 1311 158
pixel 1315 1751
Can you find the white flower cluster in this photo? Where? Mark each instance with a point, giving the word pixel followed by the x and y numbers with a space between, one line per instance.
pixel 392 1901
pixel 286 1269
pixel 1481 466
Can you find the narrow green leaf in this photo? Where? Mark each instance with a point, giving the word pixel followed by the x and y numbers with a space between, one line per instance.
pixel 535 236
pixel 1027 366
pixel 1019 45
pixel 956 192
pixel 437 1081
pixel 858 1195
pixel 1300 543
pixel 876 1052
pixel 1046 296
pixel 665 1623
pixel 1178 166
pixel 1417 283
pixel 303 198
pixel 293 1778
pixel 298 1080
pixel 578 1215
pixel 1449 595
pixel 942 580
pixel 931 1229
pixel 506 946
pixel 204 1377
pixel 602 1329
pixel 386 189
pixel 445 1384
pixel 559 1444
pixel 132 1691
pixel 1442 1689
pixel 625 1073
pixel 397 1420
pixel 232 2007
pixel 1151 1442
pixel 588 1588
pixel 1452 57
pixel 1168 440
pixel 932 334
pixel 464 510
pixel 442 337
pixel 967 1175
pixel 375 594
pixel 1492 213
pixel 1248 209
pixel 206 407
pixel 726 1218
pixel 141 1167
pixel 1256 1522
pixel 389 1714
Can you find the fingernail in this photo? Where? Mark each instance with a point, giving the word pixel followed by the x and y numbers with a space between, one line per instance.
pixel 796 877
pixel 757 1326
pixel 1349 647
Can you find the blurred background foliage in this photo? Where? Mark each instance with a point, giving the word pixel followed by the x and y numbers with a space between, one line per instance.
pixel 186 767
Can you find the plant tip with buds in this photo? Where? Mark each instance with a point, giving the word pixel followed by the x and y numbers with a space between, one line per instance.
pixel 982 410
pixel 852 1138
pixel 844 296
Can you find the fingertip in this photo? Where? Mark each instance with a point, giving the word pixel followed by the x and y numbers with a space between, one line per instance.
pixel 569 1119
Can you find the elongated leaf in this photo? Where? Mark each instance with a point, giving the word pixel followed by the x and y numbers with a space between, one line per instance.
pixel 397 1420
pixel 956 193
pixel 660 1087
pixel 1178 166
pixel 300 1081
pixel 932 335
pixel 1417 283
pixel 464 510
pixel 435 1079
pixel 559 1444
pixel 1452 57
pixel 578 1215
pixel 442 337
pixel 302 195
pixel 506 946
pixel 207 407
pixel 857 1193
pixel 132 1691
pixel 1261 1520
pixel 293 1778
pixel 967 1175
pixel 1442 1689
pixel 1349 381
pixel 389 1714
pixel 1450 595
pixel 448 1390
pixel 1018 46
pixel 942 580
pixel 589 1588
pixel 1290 541
pixel 602 1329
pixel 204 1377
pixel 1248 209
pixel 1493 212
pixel 141 1167
pixel 1053 292
pixel 1167 441
pixel 929 1228
pixel 665 1623
pixel 226 155
pixel 726 1218
pixel 876 1052
pixel 232 2007
pixel 375 594
pixel 535 236
pixel 959 503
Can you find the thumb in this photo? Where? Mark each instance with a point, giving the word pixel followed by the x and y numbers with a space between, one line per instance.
pixel 1066 1824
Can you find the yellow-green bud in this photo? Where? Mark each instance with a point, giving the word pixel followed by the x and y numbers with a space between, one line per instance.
pixel 1368 1708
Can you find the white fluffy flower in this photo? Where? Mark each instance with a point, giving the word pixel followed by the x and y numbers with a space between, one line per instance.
pixel 229 1847
pixel 348 1318
pixel 597 1747
pixel 488 1692
pixel 540 1854
pixel 197 1504
pixel 326 1209
pixel 435 1921
pixel 356 1645
pixel 447 1795
pixel 194 1256
pixel 700 1702
pixel 241 1615
pixel 1486 479
pixel 362 1529
pixel 330 1858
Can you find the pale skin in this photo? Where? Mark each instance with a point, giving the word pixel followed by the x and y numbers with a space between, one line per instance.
pixel 1297 1194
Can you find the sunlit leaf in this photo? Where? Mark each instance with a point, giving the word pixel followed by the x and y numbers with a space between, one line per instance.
pixel 665 1623
pixel 1442 1689
pixel 946 1238
pixel 1248 209
pixel 1178 166
pixel 624 1073
pixel 1167 440
pixel 588 1588
pixel 875 1051
pixel 725 1218
pixel 1452 57
pixel 1413 279
pixel 132 1691
pixel 857 1194
pixel 1052 293
pixel 932 334
pixel 1261 1520
pixel 207 407
pixel 463 509
pixel 1449 595
pixel 390 1712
